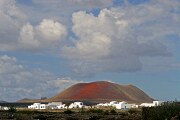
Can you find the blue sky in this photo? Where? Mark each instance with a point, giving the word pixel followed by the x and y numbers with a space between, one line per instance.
pixel 49 45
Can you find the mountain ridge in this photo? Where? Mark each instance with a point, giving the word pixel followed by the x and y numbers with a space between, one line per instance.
pixel 99 91
pixel 103 90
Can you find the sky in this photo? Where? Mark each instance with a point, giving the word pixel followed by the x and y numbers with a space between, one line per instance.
pixel 49 45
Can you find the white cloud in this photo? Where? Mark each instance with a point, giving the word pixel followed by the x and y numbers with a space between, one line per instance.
pixel 17 81
pixel 117 39
pixel 51 30
pixel 7 64
pixel 61 10
pixel 18 34
pixel 9 9
pixel 47 34
pixel 95 46
pixel 11 20
pixel 27 38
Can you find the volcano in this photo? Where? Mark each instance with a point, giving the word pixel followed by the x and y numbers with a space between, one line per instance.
pixel 102 91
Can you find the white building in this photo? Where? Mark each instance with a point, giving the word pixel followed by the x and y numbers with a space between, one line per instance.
pixel 104 104
pixel 158 103
pixel 43 106
pixel 4 108
pixel 38 106
pixel 62 106
pixel 34 106
pixel 133 106
pixel 54 105
pixel 112 103
pixel 118 105
pixel 155 103
pixel 100 104
pixel 122 105
pixel 76 105
pixel 146 105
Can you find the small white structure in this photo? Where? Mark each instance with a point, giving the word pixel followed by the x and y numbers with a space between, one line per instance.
pixel 112 103
pixel 38 106
pixel 158 103
pixel 104 104
pixel 155 103
pixel 43 106
pixel 35 106
pixel 4 108
pixel 62 106
pixel 118 105
pixel 122 105
pixel 146 105
pixel 100 104
pixel 54 105
pixel 76 105
pixel 133 106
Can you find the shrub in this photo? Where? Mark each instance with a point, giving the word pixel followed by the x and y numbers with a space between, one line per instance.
pixel 95 111
pixel 167 111
pixel 106 112
pixel 133 110
pixel 12 109
pixel 113 111
pixel 23 117
pixel 40 117
pixel 94 117
pixel 68 112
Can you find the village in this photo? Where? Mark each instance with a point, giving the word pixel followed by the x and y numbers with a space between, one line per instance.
pixel 59 105
pixel 117 105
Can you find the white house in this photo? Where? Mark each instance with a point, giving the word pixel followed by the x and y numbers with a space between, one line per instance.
pixel 155 103
pixel 34 106
pixel 54 105
pixel 104 104
pixel 43 106
pixel 122 105
pixel 112 103
pixel 158 103
pixel 133 106
pixel 146 105
pixel 100 104
pixel 76 105
pixel 62 106
pixel 4 108
pixel 38 106
pixel 118 105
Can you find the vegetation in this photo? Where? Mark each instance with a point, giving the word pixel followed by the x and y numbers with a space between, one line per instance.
pixel 12 109
pixel 168 111
pixel 68 112
pixel 73 114
pixel 95 111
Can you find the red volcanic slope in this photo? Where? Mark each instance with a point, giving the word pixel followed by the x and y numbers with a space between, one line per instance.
pixel 102 90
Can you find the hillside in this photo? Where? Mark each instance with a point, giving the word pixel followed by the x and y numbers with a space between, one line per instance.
pixel 102 91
